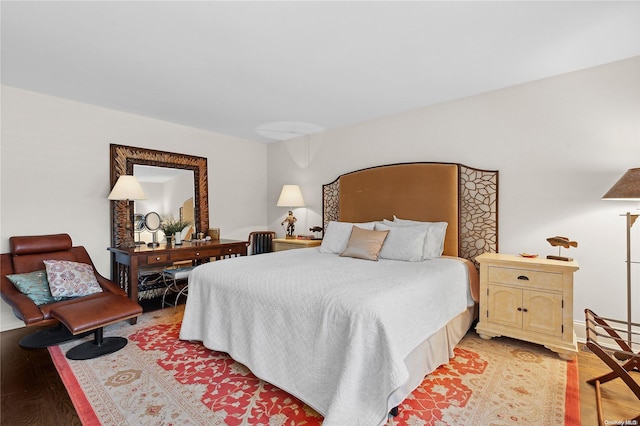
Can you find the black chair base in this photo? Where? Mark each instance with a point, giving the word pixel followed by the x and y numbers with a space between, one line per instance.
pixel 99 346
pixel 90 350
pixel 51 336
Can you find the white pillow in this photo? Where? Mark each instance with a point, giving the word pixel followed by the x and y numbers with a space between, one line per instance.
pixel 434 242
pixel 403 242
pixel 337 234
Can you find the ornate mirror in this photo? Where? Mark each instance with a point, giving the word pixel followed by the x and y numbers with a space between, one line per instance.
pixel 123 158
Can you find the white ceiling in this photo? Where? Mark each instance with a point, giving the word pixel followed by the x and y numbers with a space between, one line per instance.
pixel 229 67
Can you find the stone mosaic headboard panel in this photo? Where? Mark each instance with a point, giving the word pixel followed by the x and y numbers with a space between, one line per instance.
pixel 464 197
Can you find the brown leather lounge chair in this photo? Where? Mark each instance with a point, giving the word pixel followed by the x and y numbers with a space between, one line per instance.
pixel 73 317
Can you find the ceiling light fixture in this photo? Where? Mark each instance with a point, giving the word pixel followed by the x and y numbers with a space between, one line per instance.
pixel 284 130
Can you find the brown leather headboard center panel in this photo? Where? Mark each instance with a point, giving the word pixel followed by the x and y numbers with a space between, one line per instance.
pixel 421 191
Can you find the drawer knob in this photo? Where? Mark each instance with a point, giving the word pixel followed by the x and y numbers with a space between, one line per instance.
pixel 523 277
pixel 197 253
pixel 158 258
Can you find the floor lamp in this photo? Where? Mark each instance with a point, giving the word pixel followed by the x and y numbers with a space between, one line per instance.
pixel 627 188
pixel 128 189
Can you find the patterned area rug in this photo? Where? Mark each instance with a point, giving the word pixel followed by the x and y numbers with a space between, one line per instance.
pixel 159 380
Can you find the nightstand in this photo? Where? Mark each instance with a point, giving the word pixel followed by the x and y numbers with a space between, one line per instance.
pixel 528 299
pixel 281 244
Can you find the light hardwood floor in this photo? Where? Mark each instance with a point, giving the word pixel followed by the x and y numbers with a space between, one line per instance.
pixel 619 404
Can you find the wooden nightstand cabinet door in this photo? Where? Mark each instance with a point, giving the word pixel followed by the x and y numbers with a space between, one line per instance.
pixel 503 303
pixel 542 312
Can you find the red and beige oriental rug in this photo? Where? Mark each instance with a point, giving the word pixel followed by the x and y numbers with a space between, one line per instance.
pixel 158 379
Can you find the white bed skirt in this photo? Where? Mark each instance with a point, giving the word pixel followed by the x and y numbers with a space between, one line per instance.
pixel 432 353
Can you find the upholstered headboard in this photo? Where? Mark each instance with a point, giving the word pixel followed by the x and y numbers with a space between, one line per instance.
pixel 464 197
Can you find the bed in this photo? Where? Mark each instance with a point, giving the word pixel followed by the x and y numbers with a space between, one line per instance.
pixel 350 337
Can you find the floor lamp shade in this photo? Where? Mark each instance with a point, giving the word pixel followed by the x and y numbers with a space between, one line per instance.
pixel 626 188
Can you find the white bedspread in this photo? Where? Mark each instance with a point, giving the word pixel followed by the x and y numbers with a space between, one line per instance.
pixel 332 331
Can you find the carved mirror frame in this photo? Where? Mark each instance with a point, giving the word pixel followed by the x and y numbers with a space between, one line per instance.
pixel 123 158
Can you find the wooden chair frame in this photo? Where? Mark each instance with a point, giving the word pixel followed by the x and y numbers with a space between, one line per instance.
pixel 260 242
pixel 622 362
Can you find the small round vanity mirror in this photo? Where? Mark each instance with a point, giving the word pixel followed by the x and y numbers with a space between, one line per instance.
pixel 152 223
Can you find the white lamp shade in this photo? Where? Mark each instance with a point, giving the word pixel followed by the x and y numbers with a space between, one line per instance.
pixel 290 196
pixel 127 188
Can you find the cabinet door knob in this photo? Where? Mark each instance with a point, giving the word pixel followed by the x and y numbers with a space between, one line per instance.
pixel 520 309
pixel 523 277
pixel 525 310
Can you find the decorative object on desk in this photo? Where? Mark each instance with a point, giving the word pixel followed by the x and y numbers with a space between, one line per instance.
pixel 127 189
pixel 291 197
pixel 214 233
pixel 184 234
pixel 317 230
pixel 138 227
pixel 560 242
pixel 172 227
pixel 152 222
pixel 627 188
pixel 529 255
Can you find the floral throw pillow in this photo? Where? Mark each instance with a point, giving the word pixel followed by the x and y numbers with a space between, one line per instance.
pixel 71 279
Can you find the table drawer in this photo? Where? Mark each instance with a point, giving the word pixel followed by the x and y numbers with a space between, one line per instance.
pixel 192 255
pixel 526 278
pixel 157 258
pixel 231 250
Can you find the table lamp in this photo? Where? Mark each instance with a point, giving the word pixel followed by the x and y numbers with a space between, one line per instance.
pixel 290 197
pixel 128 189
pixel 627 188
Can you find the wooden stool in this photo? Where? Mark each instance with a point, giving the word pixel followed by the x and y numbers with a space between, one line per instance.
pixel 93 315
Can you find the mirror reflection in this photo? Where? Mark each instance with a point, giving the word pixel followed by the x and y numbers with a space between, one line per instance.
pixel 170 194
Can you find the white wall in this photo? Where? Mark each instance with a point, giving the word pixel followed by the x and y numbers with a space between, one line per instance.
pixel 559 144
pixel 55 172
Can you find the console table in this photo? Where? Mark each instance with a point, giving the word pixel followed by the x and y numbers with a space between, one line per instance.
pixel 127 262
